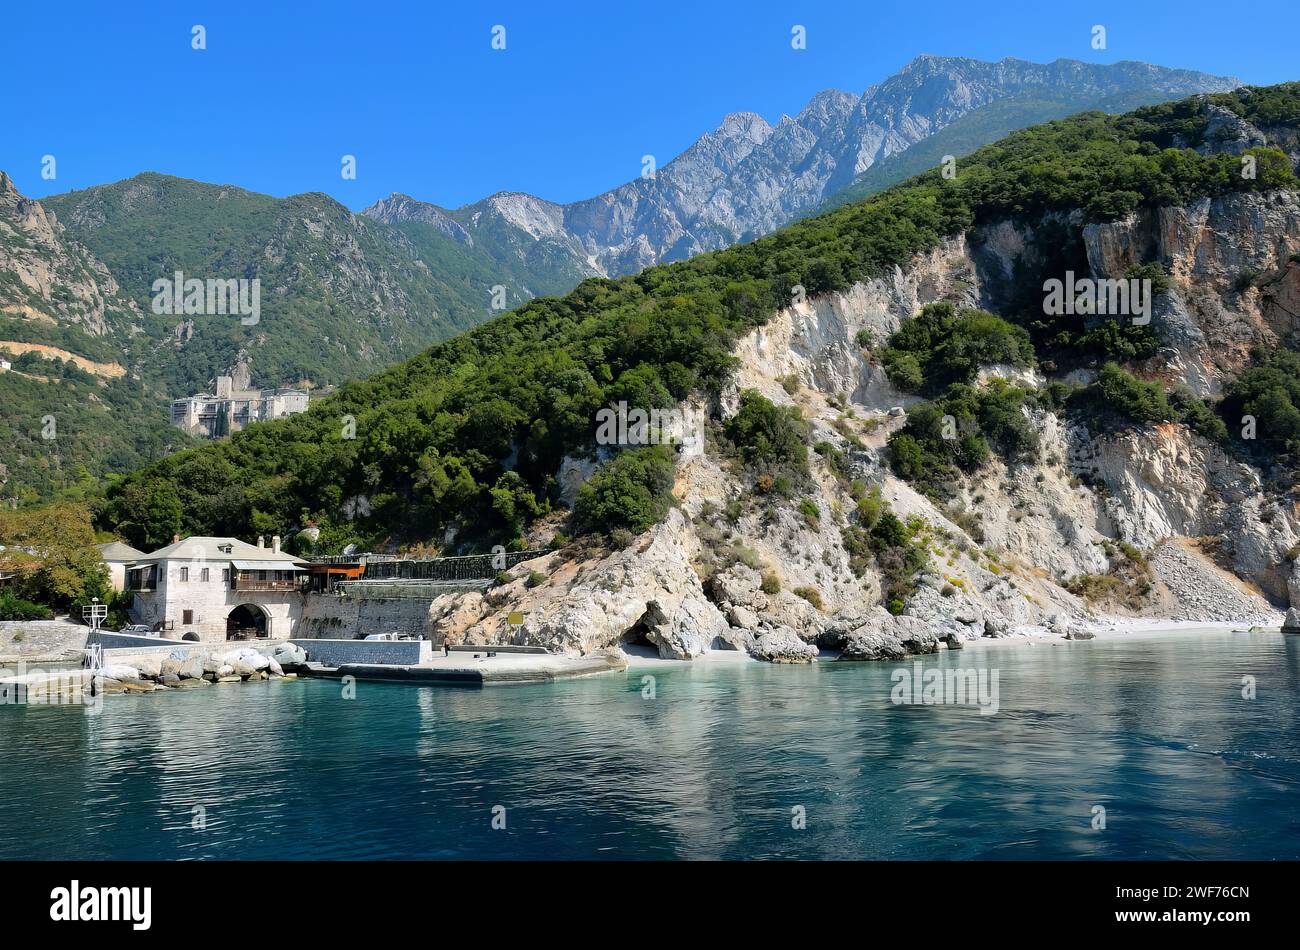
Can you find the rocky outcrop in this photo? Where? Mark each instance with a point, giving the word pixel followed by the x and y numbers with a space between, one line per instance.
pixel 50 277
pixel 196 667
pixel 884 637
pixel 783 645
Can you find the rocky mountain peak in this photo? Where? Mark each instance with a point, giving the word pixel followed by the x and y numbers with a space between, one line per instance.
pixel 398 208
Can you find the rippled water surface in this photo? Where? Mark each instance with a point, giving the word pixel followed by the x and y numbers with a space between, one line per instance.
pixel 1154 730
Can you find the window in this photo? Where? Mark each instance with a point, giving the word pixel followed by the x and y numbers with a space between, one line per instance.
pixel 203 576
pixel 225 575
pixel 187 616
pixel 185 573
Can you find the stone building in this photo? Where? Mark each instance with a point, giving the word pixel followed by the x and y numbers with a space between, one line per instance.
pixel 117 556
pixel 232 408
pixel 213 589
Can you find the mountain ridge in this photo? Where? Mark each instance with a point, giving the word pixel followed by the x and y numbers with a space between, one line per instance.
pixel 748 176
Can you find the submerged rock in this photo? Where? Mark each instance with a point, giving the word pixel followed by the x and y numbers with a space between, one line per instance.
pixel 1292 622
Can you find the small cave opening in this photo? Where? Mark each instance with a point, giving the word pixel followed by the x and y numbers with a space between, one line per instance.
pixel 636 638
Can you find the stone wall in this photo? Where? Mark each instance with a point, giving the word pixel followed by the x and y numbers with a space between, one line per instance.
pixel 339 652
pixel 343 618
pixel 110 640
pixel 39 639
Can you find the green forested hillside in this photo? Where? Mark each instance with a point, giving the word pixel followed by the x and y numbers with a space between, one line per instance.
pixel 982 127
pixel 62 430
pixel 341 295
pixel 435 436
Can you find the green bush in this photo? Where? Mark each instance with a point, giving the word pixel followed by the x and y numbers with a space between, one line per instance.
pixel 811 513
pixel 810 594
pixel 13 607
pixel 942 346
pixel 959 432
pixel 767 434
pixel 633 491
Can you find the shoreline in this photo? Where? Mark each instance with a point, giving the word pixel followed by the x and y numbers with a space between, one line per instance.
pixel 1110 629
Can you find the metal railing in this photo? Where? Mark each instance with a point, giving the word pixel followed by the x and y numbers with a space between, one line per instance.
pixel 407 589
pixel 467 567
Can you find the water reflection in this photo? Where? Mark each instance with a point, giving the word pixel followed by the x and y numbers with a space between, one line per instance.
pixel 715 766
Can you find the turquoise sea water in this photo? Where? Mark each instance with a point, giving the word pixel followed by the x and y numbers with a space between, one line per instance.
pixel 1154 730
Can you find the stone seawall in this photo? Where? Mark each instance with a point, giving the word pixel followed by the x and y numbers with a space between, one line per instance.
pixel 341 652
pixel 326 616
pixel 39 640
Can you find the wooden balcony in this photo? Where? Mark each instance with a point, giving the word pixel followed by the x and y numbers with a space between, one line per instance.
pixel 254 584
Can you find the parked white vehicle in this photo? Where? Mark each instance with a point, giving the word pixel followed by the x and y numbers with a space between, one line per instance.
pixel 388 636
pixel 139 630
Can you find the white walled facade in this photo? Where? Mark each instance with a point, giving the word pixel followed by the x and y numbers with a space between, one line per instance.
pixel 209 603
pixel 193 587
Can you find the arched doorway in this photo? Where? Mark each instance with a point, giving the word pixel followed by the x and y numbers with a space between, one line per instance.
pixel 246 622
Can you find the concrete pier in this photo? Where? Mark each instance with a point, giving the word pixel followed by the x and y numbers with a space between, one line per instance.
pixel 462 669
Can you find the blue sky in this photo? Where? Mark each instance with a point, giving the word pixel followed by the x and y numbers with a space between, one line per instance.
pixel 580 93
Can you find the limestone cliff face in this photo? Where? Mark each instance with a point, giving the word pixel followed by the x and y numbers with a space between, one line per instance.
pixel 51 278
pixel 1215 540
pixel 1235 284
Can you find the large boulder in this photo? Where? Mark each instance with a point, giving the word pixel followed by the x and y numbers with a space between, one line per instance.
pixel 1292 622
pixel 120 672
pixel 686 632
pixel 1078 631
pixel 892 638
pixel 289 654
pixel 192 669
pixel 783 645
pixel 150 666
pixel 738 586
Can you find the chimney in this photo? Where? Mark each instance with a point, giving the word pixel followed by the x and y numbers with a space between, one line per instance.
pixel 275 544
pixel 261 541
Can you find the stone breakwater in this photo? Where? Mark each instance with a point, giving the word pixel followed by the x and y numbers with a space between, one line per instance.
pixel 189 669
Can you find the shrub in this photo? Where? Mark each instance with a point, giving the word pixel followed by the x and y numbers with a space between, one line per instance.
pixel 771 584
pixel 811 513
pixel 810 594
pixel 13 607
pixel 942 346
pixel 766 433
pixel 958 432
pixel 536 579
pixel 632 492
